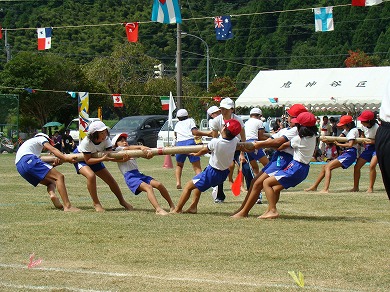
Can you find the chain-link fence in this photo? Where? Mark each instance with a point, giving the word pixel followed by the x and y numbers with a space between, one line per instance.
pixel 9 122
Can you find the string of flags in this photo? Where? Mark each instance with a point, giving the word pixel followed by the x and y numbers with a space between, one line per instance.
pixel 168 12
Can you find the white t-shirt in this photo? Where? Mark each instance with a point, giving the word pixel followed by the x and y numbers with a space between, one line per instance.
pixel 222 152
pixel 128 165
pixel 303 148
pixel 287 133
pixel 352 134
pixel 183 129
pixel 31 146
pixel 252 127
pixel 217 123
pixel 370 132
pixel 87 146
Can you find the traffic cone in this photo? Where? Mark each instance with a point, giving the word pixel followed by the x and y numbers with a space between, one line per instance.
pixel 168 161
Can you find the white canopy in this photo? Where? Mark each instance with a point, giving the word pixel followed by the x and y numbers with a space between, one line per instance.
pixel 331 89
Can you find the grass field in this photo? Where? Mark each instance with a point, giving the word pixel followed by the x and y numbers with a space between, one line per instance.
pixel 338 241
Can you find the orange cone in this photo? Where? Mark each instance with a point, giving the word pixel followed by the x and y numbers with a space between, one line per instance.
pixel 168 161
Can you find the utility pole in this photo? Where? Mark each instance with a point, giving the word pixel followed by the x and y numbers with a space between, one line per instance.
pixel 7 46
pixel 179 90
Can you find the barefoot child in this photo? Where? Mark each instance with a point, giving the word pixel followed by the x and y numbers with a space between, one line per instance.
pixel 35 171
pixel 298 169
pixel 135 180
pixel 97 141
pixel 370 127
pixel 345 159
pixel 222 153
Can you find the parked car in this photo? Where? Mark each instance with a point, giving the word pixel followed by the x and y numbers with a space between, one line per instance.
pixel 74 128
pixel 141 130
pixel 162 140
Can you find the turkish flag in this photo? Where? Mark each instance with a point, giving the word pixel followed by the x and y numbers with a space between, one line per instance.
pixel 132 31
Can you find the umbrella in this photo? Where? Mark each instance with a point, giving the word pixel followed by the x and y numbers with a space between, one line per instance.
pixel 52 124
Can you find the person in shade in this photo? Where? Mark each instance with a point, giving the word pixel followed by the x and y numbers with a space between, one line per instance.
pixel 35 171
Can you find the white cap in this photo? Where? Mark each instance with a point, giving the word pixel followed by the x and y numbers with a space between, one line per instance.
pixel 96 126
pixel 256 111
pixel 212 110
pixel 117 136
pixel 227 103
pixel 181 113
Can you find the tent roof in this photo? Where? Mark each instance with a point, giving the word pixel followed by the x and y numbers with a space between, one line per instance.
pixel 332 88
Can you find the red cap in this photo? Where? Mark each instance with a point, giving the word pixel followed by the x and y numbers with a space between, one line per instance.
pixel 366 116
pixel 233 126
pixel 296 109
pixel 305 119
pixel 344 120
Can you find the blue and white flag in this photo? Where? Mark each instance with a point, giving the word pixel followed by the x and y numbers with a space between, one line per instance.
pixel 323 18
pixel 223 28
pixel 166 11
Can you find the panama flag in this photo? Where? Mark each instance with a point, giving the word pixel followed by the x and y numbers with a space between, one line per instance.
pixel 323 18
pixel 117 100
pixel 366 2
pixel 166 11
pixel 44 38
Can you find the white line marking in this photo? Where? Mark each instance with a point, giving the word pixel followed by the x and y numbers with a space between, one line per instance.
pixel 50 288
pixel 198 280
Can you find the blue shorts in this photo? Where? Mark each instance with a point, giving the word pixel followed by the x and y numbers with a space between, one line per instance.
pixel 257 154
pixel 278 161
pixel 348 157
pixel 95 167
pixel 368 152
pixel 182 157
pixel 293 174
pixel 134 179
pixel 32 169
pixel 209 177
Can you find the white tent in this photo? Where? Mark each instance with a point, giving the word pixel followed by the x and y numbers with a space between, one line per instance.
pixel 330 89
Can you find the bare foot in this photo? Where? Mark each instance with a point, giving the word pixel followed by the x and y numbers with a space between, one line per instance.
pixel 244 190
pixel 99 208
pixel 172 208
pixel 324 191
pixel 178 187
pixel 127 206
pixel 354 190
pixel 370 191
pixel 311 189
pixel 239 215
pixel 56 202
pixel 269 215
pixel 191 210
pixel 174 211
pixel 161 212
pixel 71 209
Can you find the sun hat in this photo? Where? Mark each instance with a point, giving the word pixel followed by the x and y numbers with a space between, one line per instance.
pixel 227 103
pixel 181 113
pixel 46 136
pixel 296 109
pixel 212 110
pixel 96 126
pixel 233 126
pixel 255 111
pixel 366 116
pixel 117 136
pixel 305 119
pixel 344 120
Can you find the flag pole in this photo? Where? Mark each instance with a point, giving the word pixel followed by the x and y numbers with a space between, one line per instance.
pixel 178 66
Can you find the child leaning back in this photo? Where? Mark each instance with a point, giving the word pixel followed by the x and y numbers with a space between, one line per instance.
pixel 222 154
pixel 137 181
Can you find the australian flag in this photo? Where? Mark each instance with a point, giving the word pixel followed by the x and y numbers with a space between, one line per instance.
pixel 223 28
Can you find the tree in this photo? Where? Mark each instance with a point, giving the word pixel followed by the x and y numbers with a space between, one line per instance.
pixel 358 59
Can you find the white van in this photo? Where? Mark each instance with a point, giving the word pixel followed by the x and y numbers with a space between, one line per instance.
pixel 74 128
pixel 162 138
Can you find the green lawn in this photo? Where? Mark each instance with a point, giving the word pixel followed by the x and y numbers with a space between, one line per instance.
pixel 338 241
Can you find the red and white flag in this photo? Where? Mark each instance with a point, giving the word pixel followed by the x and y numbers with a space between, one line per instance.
pixel 366 2
pixel 44 38
pixel 117 100
pixel 132 31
